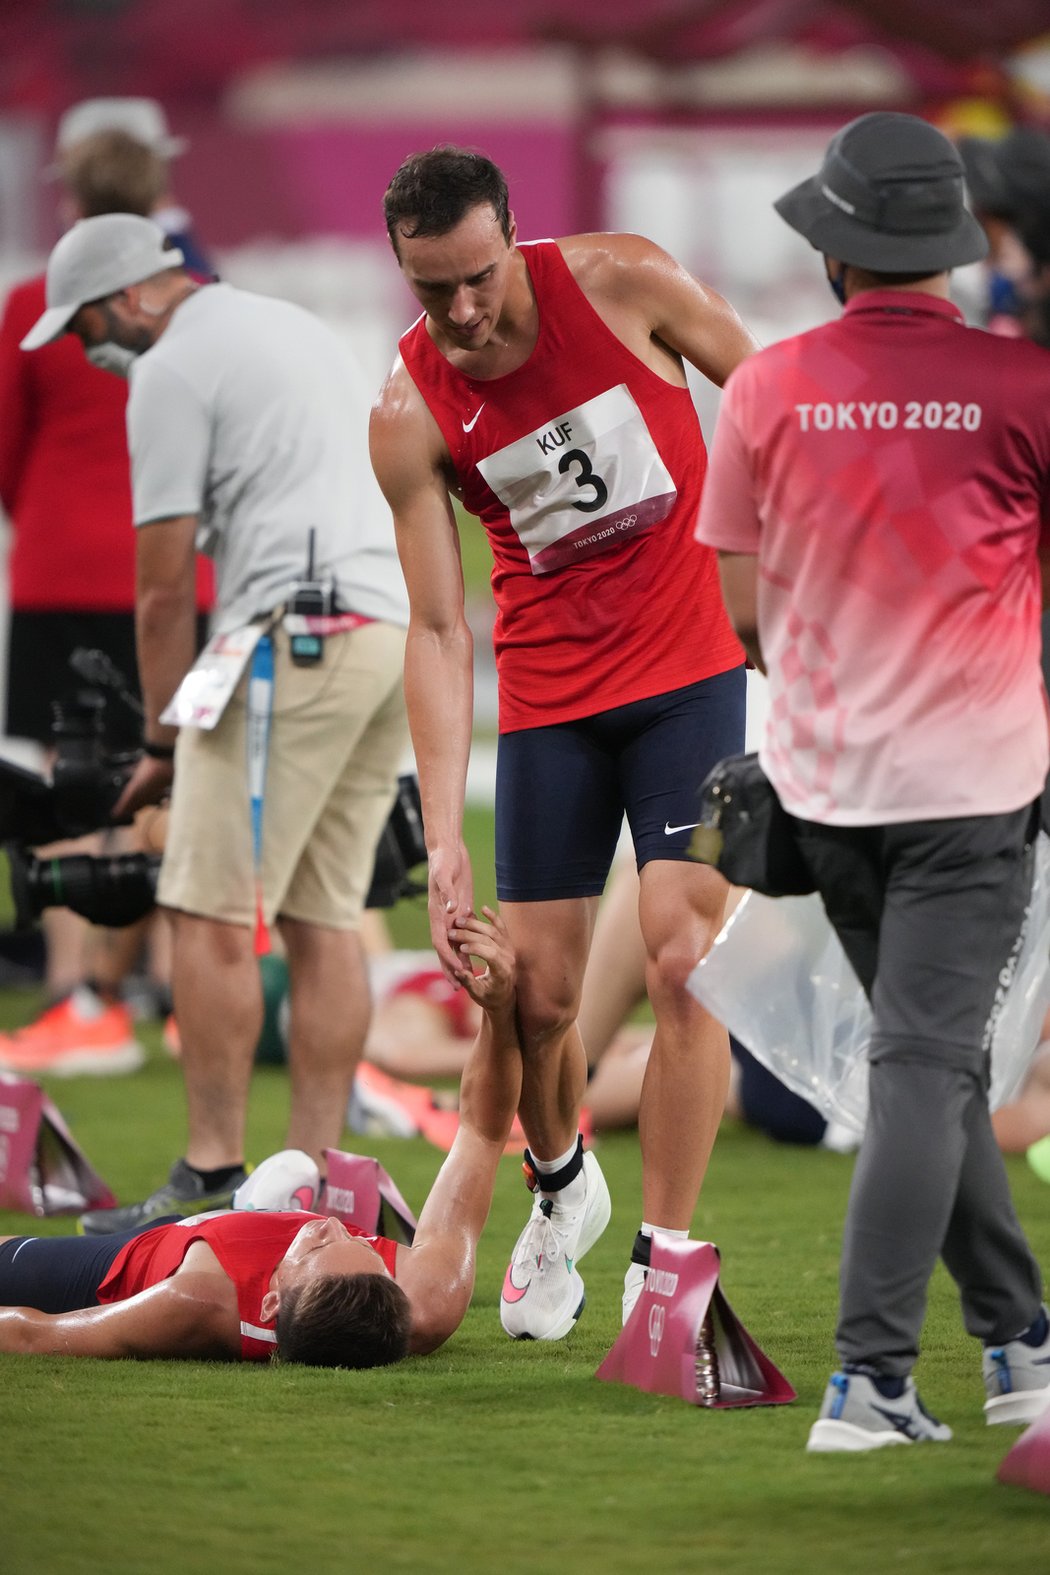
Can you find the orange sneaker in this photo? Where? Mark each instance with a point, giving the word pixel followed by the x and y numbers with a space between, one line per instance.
pixel 170 1038
pixel 81 1035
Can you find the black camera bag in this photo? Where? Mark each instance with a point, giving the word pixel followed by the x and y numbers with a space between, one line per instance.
pixel 746 833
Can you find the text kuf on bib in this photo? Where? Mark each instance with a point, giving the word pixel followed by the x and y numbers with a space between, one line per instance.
pixel 582 483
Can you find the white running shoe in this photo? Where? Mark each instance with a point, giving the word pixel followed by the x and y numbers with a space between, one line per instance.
pixel 287 1180
pixel 542 1293
pixel 633 1286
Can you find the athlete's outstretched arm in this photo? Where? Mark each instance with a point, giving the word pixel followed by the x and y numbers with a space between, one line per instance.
pixel 437 1272
pixel 406 452
pixel 189 1315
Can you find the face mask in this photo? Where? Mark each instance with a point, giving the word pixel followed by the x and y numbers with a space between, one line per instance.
pixel 110 357
pixel 838 287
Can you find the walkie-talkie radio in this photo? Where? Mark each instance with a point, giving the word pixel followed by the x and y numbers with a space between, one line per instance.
pixel 311 598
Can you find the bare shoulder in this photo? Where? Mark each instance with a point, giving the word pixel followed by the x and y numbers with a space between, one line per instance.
pixel 656 306
pixel 617 265
pixel 399 401
pixel 404 438
pixel 437 1294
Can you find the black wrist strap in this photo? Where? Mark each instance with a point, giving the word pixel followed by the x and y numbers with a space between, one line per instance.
pixel 159 751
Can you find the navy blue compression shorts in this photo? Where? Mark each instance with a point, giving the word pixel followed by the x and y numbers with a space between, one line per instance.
pixel 57 1274
pixel 562 791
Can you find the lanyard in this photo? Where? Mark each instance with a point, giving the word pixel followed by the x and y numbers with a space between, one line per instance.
pixel 260 715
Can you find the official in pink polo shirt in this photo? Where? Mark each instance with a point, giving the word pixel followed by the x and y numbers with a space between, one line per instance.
pixel 879 495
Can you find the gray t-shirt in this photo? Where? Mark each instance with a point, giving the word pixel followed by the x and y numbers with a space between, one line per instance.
pixel 249 413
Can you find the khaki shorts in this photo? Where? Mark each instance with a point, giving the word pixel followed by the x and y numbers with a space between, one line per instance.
pixel 337 738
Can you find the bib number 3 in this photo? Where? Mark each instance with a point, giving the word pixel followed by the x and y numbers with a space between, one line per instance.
pixel 598 461
pixel 585 477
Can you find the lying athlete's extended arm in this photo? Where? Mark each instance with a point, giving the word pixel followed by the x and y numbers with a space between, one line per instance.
pixel 438 1271
pixel 187 1315
pixel 439 657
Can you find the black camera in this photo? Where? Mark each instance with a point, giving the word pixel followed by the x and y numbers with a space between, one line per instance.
pixel 92 761
pixel 121 888
pixel 400 848
pixel 91 766
pixel 111 890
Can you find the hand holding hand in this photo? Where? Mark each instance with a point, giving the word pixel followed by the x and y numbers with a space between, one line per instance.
pixel 451 900
pixel 493 989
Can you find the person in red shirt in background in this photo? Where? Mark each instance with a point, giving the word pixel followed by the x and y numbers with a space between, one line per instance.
pixel 545 387
pixel 65 486
pixel 879 497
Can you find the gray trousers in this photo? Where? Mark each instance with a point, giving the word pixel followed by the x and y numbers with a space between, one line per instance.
pixel 930 915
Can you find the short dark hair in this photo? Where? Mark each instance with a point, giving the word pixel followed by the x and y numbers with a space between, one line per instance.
pixel 344 1320
pixel 432 192
pixel 112 173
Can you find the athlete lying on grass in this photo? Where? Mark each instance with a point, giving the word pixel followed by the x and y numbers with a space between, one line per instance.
pixel 242 1286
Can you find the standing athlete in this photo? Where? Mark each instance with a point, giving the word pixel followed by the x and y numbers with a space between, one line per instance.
pixel 545 388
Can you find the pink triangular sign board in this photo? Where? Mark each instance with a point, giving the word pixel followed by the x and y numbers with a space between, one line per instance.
pixel 684 1339
pixel 1028 1463
pixel 42 1167
pixel 360 1192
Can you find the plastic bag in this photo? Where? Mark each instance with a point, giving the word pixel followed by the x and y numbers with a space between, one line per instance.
pixel 780 981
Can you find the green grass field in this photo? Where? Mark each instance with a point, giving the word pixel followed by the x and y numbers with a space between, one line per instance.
pixel 491 1455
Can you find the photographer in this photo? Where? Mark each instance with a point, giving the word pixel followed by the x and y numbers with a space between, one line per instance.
pixel 246 428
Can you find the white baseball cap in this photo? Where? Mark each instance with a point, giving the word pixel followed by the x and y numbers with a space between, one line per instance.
pixel 140 118
pixel 94 259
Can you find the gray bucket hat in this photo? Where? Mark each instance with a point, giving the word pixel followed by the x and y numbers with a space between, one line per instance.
pixel 889 197
pixel 96 258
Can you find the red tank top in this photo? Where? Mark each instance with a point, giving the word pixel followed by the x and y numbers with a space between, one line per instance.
pixel 585 468
pixel 249 1247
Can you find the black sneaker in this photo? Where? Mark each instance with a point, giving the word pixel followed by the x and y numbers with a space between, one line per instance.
pixel 183 1195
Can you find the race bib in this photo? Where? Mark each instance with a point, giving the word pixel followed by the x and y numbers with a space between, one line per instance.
pixel 583 482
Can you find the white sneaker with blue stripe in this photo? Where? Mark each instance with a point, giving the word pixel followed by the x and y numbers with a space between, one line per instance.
pixel 855 1416
pixel 1017 1378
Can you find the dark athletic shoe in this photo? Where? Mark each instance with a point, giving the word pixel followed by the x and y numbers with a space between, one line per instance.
pixel 856 1417
pixel 183 1195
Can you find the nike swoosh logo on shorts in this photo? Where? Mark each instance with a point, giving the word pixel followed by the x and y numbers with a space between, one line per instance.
pixel 669 831
pixel 468 426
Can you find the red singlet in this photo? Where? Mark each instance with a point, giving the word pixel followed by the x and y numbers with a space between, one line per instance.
pixel 585 468
pixel 248 1246
pixel 432 986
